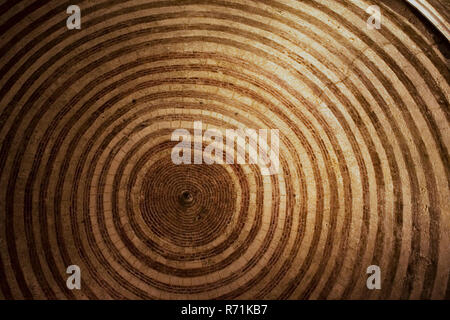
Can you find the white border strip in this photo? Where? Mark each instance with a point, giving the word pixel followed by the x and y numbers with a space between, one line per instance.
pixel 432 15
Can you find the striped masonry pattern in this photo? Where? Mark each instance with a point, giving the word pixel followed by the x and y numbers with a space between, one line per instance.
pixel 86 177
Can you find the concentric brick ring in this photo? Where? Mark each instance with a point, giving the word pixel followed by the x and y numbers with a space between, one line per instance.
pixel 187 202
pixel 87 178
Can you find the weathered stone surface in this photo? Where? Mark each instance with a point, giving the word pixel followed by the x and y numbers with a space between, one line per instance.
pixel 86 176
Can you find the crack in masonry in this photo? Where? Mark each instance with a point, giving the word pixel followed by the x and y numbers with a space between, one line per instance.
pixel 346 73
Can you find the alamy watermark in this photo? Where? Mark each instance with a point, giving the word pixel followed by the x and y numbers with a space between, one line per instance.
pixel 374 280
pixel 374 21
pixel 74 280
pixel 259 147
pixel 74 20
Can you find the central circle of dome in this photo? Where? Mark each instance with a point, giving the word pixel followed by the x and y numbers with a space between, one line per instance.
pixel 188 205
pixel 186 198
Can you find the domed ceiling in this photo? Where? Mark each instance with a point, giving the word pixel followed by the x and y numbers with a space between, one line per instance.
pixel 87 117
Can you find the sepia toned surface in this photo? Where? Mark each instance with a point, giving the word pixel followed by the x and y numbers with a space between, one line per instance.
pixel 86 178
pixel 436 12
